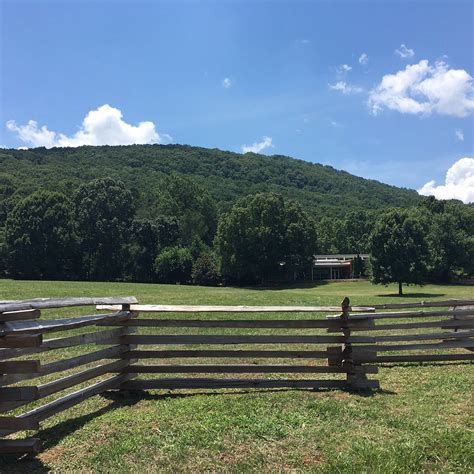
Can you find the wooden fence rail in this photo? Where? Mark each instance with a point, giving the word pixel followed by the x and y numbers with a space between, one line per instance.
pixel 456 335
pixel 23 335
pixel 116 349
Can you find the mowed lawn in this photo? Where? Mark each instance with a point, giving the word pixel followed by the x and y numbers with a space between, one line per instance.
pixel 420 420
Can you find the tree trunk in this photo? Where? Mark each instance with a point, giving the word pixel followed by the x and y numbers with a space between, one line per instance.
pixel 400 289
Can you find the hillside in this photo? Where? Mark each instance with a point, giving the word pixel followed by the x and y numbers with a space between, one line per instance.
pixel 321 189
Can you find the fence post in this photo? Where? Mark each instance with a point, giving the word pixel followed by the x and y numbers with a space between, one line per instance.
pixel 12 368
pixel 126 331
pixel 355 378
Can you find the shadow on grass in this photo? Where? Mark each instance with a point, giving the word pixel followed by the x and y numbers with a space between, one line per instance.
pixel 412 295
pixel 50 437
pixel 137 395
pixel 22 463
pixel 286 286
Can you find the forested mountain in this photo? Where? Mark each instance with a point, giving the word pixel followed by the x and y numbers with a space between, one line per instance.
pixel 185 214
pixel 321 190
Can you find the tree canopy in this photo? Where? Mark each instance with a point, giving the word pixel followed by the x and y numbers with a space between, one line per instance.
pixel 227 176
pixel 40 238
pixel 398 248
pixel 103 211
pixel 262 233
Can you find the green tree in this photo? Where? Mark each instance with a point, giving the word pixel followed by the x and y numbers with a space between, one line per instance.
pixel 174 265
pixel 147 239
pixel 398 248
pixel 39 237
pixel 329 234
pixel 142 250
pixel 3 253
pixel 261 233
pixel 104 210
pixel 355 231
pixel 191 204
pixel 206 269
pixel 299 240
pixel 450 241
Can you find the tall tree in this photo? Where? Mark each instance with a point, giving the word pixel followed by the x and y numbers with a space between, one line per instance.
pixel 191 205
pixel 39 237
pixel 104 210
pixel 262 233
pixel 450 240
pixel 398 248
pixel 148 237
pixel 174 265
pixel 355 231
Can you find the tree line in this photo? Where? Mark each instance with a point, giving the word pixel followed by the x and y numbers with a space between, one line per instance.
pixel 97 232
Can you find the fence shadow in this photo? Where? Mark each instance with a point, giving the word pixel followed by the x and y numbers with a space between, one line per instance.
pixel 137 395
pixel 50 437
pixel 22 463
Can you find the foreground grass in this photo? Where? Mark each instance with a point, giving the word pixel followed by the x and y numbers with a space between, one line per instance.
pixel 421 420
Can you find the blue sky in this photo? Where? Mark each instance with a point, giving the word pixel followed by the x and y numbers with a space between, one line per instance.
pixel 313 80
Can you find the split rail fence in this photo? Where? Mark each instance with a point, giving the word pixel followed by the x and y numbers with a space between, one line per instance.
pixel 122 351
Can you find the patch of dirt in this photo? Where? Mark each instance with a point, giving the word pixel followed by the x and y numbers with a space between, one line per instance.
pixel 51 455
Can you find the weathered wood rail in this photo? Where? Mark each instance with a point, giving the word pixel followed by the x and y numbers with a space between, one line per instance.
pixel 450 333
pixel 23 336
pixel 250 355
pixel 168 349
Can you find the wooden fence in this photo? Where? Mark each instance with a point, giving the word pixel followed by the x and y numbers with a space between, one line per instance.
pixel 250 347
pixel 341 350
pixel 443 333
pixel 22 342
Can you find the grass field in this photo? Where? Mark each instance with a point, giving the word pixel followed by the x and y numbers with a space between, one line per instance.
pixel 421 420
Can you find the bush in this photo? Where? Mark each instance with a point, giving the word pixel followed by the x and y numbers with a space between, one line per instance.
pixel 173 265
pixel 206 270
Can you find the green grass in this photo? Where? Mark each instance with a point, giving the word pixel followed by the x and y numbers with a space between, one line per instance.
pixel 421 420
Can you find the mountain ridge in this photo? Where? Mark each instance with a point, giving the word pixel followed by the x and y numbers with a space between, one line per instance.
pixel 227 175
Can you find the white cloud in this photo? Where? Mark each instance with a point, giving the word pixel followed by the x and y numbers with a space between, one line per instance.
pixel 405 52
pixel 258 146
pixel 345 88
pixel 336 124
pixel 303 41
pixel 227 83
pixel 343 69
pixel 459 183
pixel 459 135
pixel 31 134
pixel 103 126
pixel 363 59
pixel 424 89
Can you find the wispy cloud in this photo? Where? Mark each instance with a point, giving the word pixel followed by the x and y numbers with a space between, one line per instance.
pixel 227 83
pixel 459 183
pixel 363 59
pixel 103 126
pixel 405 52
pixel 425 89
pixel 257 147
pixel 343 69
pixel 345 88
pixel 459 135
